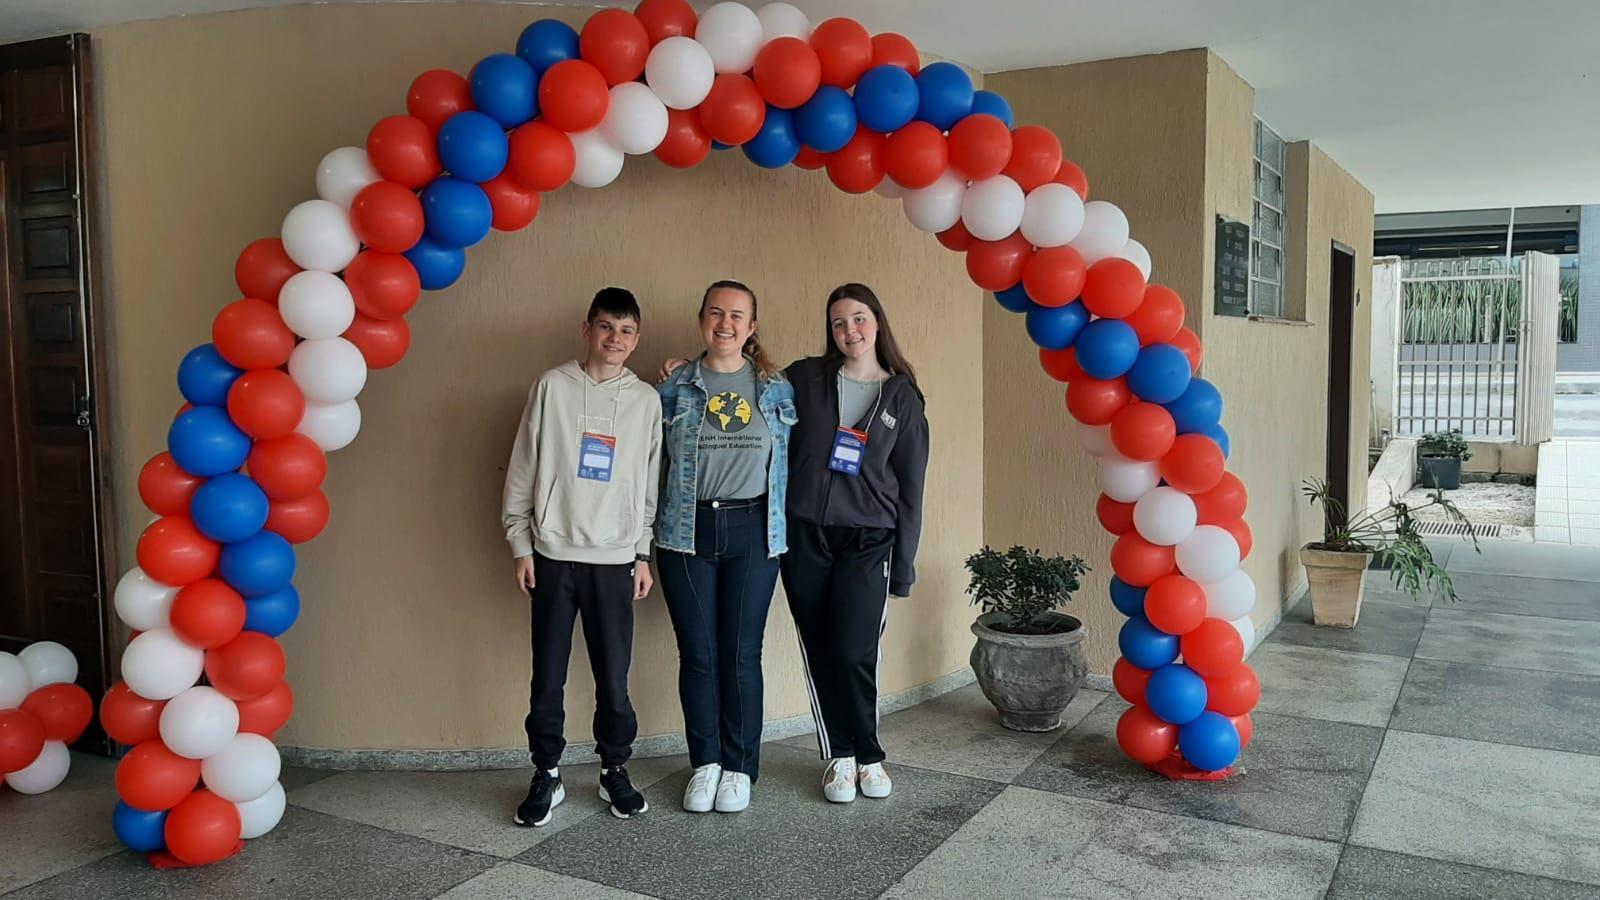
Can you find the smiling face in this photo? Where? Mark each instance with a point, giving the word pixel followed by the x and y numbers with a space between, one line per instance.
pixel 854 328
pixel 727 321
pixel 611 338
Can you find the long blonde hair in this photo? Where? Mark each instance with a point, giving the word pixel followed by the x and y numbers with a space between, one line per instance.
pixel 752 346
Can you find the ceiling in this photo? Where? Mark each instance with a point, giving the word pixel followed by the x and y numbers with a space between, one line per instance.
pixel 1433 104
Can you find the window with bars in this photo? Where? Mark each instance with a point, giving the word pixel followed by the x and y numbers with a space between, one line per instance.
pixel 1267 224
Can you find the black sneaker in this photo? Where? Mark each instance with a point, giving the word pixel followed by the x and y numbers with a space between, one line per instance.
pixel 545 793
pixel 617 790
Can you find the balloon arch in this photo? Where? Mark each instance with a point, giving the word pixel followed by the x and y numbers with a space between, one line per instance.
pixel 325 301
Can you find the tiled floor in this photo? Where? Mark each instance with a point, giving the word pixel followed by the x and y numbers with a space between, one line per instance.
pixel 1434 751
pixel 1567 499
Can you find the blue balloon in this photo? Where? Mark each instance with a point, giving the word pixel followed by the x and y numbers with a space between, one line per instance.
pixel 1014 299
pixel 437 266
pixel 274 613
pixel 1199 407
pixel 473 146
pixel 258 565
pixel 1107 348
pixel 547 42
pixel 1176 694
pixel 1128 600
pixel 995 105
pixel 205 442
pixel 229 508
pixel 776 144
pixel 1146 646
pixel 204 377
pixel 505 87
pixel 944 95
pixel 1210 742
pixel 718 145
pixel 1057 327
pixel 1160 374
pixel 887 98
pixel 1218 434
pixel 458 213
pixel 143 832
pixel 827 121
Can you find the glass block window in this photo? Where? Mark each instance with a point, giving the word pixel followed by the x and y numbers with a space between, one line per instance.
pixel 1267 224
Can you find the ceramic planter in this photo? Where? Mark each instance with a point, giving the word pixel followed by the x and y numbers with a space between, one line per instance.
pixel 1444 471
pixel 1336 580
pixel 1030 678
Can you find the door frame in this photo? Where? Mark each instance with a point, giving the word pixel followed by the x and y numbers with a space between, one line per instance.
pixel 1342 298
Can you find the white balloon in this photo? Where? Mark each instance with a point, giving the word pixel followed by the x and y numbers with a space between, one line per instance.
pixel 159 665
pixel 317 235
pixel 328 370
pixel 1232 597
pixel 599 163
pixel 783 20
pixel 343 173
pixel 199 722
pixel 262 814
pixel 890 188
pixel 992 208
pixel 49 663
pixel 1105 231
pixel 732 34
pixel 1052 216
pixel 142 602
pixel 47 770
pixel 1135 252
pixel 636 120
pixel 1126 480
pixel 680 71
pixel 1209 554
pixel 1246 629
pixel 15 685
pixel 936 207
pixel 332 425
pixel 316 305
pixel 1164 516
pixel 1096 439
pixel 243 770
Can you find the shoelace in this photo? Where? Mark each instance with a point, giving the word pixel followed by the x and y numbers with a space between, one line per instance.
pixel 840 773
pixel 729 784
pixel 873 772
pixel 700 781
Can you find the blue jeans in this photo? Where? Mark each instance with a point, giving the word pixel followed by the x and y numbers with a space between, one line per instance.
pixel 718 599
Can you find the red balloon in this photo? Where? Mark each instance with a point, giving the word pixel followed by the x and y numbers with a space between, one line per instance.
pixel 64 710
pixel 153 778
pixel 1093 401
pixel 165 487
pixel 857 167
pixel 1130 681
pixel 686 143
pixel 1242 535
pixel 129 718
pixel 514 206
pixel 666 18
pixel 1143 431
pixel 267 713
pixel 572 97
pixel 286 468
pixel 1223 503
pixel 266 403
pixel 246 667
pixel 299 520
pixel 1139 562
pixel 1235 692
pixel 1062 365
pixel 1035 156
pixel 1115 516
pixel 811 159
pixel 387 216
pixel 1159 316
pixel 1212 648
pixel 1053 276
pixel 980 144
pixel 845 50
pixel 734 111
pixel 615 42
pixel 436 95
pixel 21 739
pixel 1073 177
pixel 787 72
pixel 402 150
pixel 997 265
pixel 1114 288
pixel 891 49
pixel 956 237
pixel 382 342
pixel 1144 737
pixel 208 613
pixel 1194 464
pixel 262 268
pixel 1245 727
pixel 916 155
pixel 542 156
pixel 250 334
pixel 203 829
pixel 172 551
pixel 383 285
pixel 1175 604
pixel 1189 343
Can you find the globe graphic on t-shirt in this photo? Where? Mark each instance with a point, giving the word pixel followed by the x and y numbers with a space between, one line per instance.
pixel 731 411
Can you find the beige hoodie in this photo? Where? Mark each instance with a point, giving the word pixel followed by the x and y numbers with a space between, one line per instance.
pixel 546 506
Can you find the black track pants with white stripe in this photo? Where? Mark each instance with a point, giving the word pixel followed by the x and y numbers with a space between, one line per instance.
pixel 837 581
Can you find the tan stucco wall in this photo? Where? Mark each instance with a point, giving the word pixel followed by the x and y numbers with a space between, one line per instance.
pixel 412 634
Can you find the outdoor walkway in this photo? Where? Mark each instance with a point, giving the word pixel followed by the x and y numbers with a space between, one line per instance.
pixel 1567 499
pixel 1431 752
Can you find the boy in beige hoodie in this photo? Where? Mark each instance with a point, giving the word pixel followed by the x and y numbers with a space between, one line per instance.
pixel 579 505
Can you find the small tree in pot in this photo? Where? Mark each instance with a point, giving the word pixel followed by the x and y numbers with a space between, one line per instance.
pixel 1029 659
pixel 1439 458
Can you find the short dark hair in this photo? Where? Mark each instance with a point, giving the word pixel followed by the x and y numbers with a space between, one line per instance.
pixel 617 301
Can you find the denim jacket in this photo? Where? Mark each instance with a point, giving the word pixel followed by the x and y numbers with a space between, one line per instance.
pixel 683 409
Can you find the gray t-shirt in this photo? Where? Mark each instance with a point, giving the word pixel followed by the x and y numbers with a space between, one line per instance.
pixel 735 442
pixel 856 399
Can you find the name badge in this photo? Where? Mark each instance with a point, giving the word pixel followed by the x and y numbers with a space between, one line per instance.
pixel 848 447
pixel 595 455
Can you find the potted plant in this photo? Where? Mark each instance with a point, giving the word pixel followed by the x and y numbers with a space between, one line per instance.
pixel 1029 659
pixel 1439 458
pixel 1337 564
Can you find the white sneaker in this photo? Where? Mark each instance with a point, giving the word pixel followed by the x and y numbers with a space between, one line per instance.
pixel 875 781
pixel 839 780
pixel 733 792
pixel 701 793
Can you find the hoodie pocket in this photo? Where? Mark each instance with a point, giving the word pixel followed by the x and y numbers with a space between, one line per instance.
pixel 590 514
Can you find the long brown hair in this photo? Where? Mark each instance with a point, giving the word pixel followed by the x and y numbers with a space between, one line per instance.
pixel 888 350
pixel 752 346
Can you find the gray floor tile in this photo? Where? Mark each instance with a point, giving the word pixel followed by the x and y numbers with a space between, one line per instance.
pixel 42 834
pixel 1515 808
pixel 516 880
pixel 1381 587
pixel 1392 629
pixel 1029 843
pixel 1508 706
pixel 1554 561
pixel 1301 776
pixel 308 855
pixel 471 810
pixel 1546 597
pixel 1519 642
pixel 295 777
pixel 1336 685
pixel 1366 874
pixel 790 843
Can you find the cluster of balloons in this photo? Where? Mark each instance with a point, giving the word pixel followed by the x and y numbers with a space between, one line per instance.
pixel 42 710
